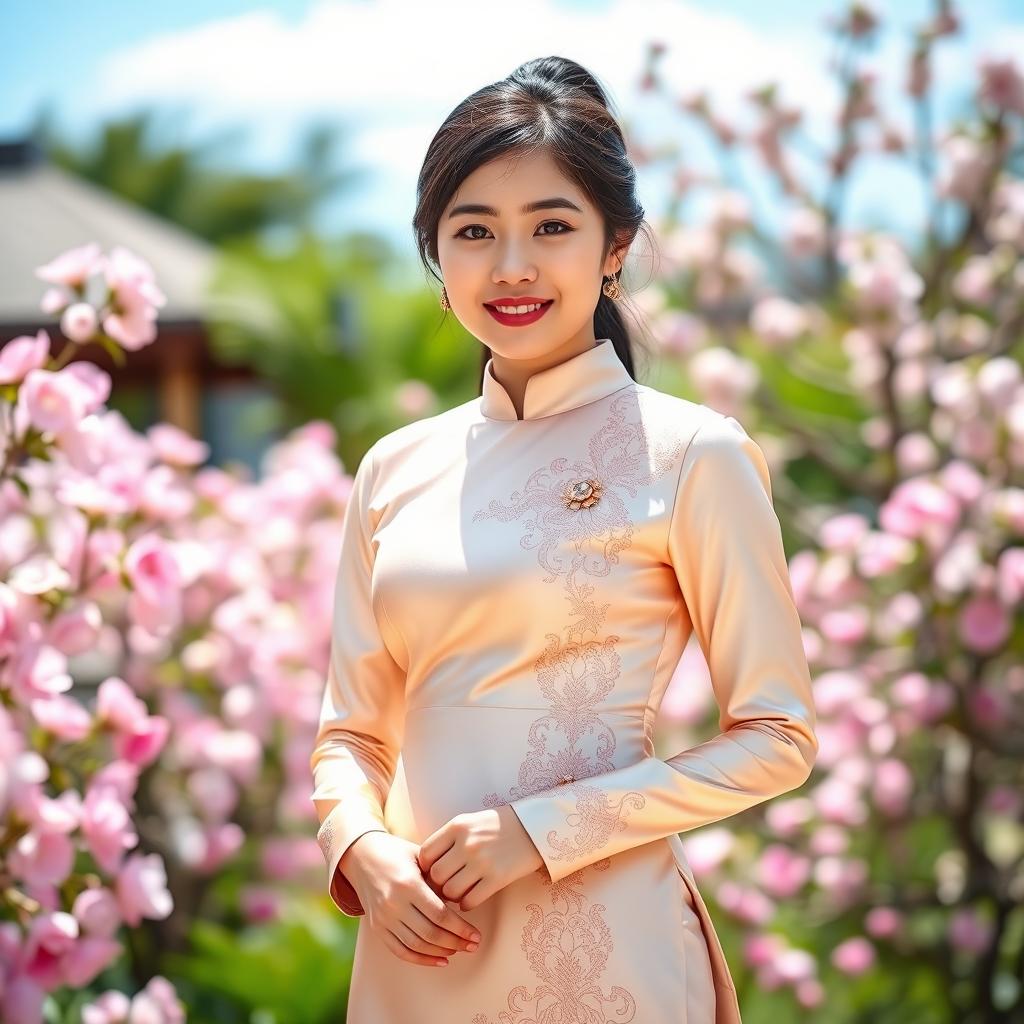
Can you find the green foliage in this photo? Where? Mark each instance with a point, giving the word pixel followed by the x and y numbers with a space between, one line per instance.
pixel 293 971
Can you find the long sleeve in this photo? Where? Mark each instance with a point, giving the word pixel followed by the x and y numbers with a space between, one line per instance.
pixel 725 545
pixel 359 736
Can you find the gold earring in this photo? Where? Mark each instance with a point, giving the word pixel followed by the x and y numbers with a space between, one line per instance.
pixel 611 288
pixel 445 304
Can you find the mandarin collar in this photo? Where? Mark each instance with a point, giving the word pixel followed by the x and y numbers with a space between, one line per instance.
pixel 585 377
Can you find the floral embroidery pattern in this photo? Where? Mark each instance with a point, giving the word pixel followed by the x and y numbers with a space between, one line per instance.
pixel 597 819
pixel 568 947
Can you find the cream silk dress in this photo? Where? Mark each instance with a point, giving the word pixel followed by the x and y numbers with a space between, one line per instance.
pixel 512 598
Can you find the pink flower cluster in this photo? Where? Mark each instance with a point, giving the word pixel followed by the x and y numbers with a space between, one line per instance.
pixel 160 635
pixel 890 378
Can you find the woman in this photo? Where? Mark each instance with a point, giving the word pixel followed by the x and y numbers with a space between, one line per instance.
pixel 518 578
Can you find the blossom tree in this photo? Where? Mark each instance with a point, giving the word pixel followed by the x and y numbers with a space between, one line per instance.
pixel 886 386
pixel 163 637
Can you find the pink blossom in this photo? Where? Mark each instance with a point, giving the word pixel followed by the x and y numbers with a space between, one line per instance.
pixel 893 787
pixel 155 579
pixel 778 321
pixel 39 574
pixel 87 957
pixel 61 716
pixel 839 802
pixel 794 965
pixel 746 903
pixel 1010 576
pixel 38 671
pixel 97 912
pixel 142 889
pixel 75 630
pixel 846 626
pixel 94 383
pixel 917 506
pixel 989 706
pixel 118 705
pixel 998 382
pixel 157 1003
pixel 983 624
pixel 78 322
pixel 842 877
pixel 882 554
pixel 854 956
pixel 781 872
pixel 260 903
pixel 680 332
pixel 235 750
pixel 107 827
pixel 22 1001
pixel 724 379
pixel 974 282
pixel 883 922
pixel 121 778
pixel 51 401
pixel 54 300
pixel 414 399
pixel 110 1008
pixel 143 743
pixel 969 931
pixel 136 299
pixel 1002 84
pixel 886 285
pixel 50 936
pixel 23 354
pixel 176 447
pixel 74 266
pixel 964 169
pixel 761 948
pixel 213 791
pixel 810 993
pixel 805 232
pixel 42 858
pixel 843 532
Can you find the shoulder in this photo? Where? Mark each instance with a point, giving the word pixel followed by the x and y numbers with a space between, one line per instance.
pixel 404 443
pixel 712 445
pixel 698 426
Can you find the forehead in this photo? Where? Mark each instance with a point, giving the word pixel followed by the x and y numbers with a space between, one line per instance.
pixel 508 182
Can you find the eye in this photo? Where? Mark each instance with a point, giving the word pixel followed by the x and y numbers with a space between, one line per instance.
pixel 471 227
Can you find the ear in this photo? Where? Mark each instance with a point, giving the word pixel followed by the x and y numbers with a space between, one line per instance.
pixel 613 262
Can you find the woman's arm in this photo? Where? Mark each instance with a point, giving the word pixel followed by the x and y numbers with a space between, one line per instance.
pixel 362 715
pixel 726 546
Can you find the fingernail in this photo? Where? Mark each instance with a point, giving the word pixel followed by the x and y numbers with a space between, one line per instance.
pixel 472 945
pixel 474 937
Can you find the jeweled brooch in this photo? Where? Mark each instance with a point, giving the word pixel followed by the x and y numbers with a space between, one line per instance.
pixel 582 494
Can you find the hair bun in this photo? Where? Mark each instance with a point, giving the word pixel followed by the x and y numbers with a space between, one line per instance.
pixel 561 72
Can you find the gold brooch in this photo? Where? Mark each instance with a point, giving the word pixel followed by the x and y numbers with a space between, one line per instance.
pixel 582 494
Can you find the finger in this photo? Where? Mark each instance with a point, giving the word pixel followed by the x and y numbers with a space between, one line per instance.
pixel 404 953
pixel 445 866
pixel 445 917
pixel 434 845
pixel 459 935
pixel 459 884
pixel 475 895
pixel 413 940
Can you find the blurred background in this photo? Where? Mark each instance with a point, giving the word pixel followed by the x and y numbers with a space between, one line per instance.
pixel 836 194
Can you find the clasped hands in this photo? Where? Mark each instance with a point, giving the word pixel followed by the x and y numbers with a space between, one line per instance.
pixel 476 854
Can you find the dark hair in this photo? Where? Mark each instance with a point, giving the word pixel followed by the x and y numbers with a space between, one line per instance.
pixel 553 104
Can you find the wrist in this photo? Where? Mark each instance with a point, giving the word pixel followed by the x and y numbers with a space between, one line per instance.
pixel 353 861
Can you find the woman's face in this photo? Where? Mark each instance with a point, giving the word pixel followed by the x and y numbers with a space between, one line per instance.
pixel 552 254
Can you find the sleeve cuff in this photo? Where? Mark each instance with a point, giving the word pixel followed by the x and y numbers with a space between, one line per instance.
pixel 336 834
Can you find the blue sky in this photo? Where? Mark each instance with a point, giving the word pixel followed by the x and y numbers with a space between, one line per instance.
pixel 390 70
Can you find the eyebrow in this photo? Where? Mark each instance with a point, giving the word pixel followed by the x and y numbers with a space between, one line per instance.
pixel 555 203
